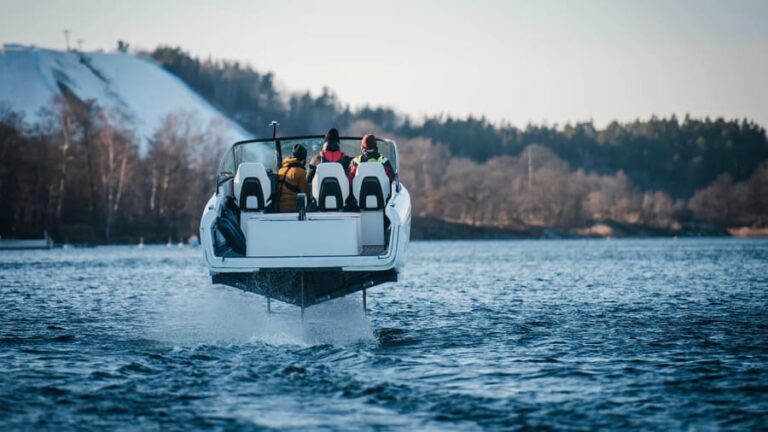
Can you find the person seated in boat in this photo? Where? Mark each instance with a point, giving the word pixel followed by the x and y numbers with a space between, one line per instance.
pixel 370 153
pixel 331 152
pixel 292 180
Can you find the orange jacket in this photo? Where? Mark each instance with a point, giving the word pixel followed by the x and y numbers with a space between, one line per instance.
pixel 291 180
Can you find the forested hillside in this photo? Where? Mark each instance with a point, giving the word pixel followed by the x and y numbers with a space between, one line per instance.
pixel 79 175
pixel 677 156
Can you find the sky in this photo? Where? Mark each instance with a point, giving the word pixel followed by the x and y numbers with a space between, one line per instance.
pixel 541 61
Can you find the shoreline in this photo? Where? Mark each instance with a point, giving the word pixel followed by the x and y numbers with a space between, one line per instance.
pixel 429 229
pixel 434 229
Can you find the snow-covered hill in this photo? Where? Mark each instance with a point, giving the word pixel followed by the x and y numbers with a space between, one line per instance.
pixel 30 78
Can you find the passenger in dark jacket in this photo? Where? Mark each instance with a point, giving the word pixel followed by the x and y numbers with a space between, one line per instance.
pixel 331 153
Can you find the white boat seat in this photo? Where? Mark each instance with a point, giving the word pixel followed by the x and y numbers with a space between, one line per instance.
pixel 371 186
pixel 330 187
pixel 252 187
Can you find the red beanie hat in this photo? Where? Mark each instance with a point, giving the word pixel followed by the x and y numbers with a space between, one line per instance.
pixel 369 142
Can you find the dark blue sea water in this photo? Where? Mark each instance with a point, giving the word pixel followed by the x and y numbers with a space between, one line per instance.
pixel 579 334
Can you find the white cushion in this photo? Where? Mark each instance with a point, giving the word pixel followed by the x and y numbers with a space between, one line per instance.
pixel 252 170
pixel 330 170
pixel 330 202
pixel 370 169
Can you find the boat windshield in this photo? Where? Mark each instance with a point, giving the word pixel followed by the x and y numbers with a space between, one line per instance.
pixel 264 151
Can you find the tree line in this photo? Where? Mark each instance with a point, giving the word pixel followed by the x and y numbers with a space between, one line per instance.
pixel 536 188
pixel 78 175
pixel 676 156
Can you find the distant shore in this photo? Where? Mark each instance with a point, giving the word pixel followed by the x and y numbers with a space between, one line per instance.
pixel 435 229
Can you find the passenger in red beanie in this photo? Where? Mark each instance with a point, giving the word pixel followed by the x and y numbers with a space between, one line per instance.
pixel 369 142
pixel 370 153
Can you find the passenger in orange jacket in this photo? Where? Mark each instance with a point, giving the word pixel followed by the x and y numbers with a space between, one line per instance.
pixel 292 180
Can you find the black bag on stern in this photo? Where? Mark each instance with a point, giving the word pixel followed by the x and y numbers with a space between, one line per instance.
pixel 228 227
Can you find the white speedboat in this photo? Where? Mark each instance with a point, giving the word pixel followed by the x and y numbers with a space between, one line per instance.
pixel 348 238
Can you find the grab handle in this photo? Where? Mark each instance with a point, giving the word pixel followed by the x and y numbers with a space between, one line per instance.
pixel 301 204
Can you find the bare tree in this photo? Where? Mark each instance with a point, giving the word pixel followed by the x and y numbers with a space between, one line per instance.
pixel 713 203
pixel 118 146
pixel 422 169
pixel 63 112
pixel 180 164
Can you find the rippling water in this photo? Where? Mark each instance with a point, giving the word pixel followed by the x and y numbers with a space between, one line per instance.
pixel 654 334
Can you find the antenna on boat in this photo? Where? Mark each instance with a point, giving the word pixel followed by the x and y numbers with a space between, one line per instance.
pixel 278 149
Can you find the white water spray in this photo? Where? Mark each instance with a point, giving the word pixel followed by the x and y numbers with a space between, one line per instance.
pixel 216 314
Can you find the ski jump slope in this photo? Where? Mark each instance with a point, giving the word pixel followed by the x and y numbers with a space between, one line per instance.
pixel 30 78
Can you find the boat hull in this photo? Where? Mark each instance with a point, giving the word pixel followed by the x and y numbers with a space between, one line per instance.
pixel 304 287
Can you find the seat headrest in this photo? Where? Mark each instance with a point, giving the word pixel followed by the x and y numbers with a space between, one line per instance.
pixel 252 170
pixel 371 169
pixel 330 170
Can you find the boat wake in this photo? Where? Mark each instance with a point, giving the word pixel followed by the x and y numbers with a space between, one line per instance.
pixel 223 315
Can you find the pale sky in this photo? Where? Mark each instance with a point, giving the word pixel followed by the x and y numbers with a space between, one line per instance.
pixel 534 61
